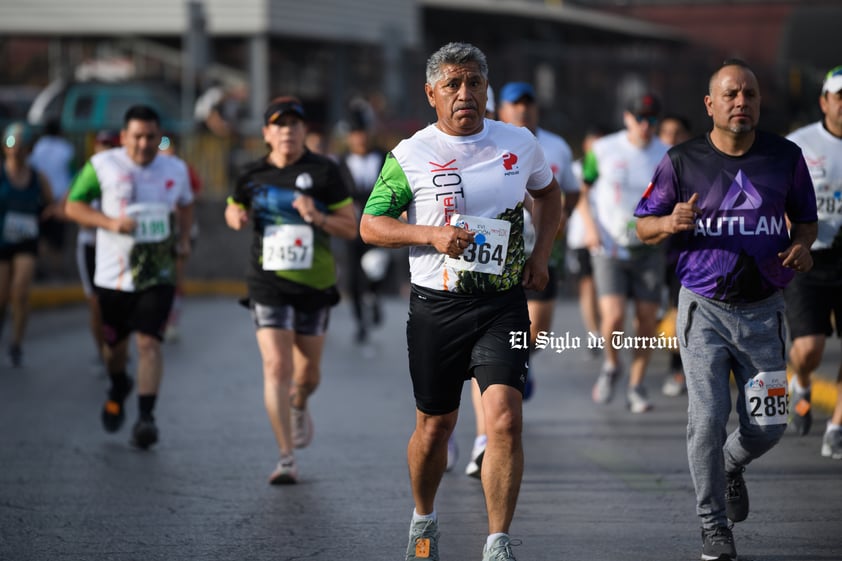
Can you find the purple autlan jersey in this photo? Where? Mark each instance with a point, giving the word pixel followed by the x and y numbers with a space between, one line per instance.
pixel 732 254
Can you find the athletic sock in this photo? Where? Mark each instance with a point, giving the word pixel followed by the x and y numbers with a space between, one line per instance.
pixel 490 540
pixel 119 384
pixel 418 517
pixel 145 404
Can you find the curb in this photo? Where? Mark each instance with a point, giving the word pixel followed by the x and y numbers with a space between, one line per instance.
pixel 52 296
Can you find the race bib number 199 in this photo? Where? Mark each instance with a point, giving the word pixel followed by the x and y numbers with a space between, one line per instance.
pixel 766 398
pixel 287 247
pixel 152 222
pixel 491 243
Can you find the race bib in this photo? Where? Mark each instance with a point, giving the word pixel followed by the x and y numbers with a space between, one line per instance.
pixel 766 398
pixel 19 227
pixel 828 207
pixel 487 254
pixel 287 247
pixel 152 222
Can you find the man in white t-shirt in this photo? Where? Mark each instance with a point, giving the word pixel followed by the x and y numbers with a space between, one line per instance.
pixel 814 297
pixel 461 182
pixel 615 173
pixel 141 194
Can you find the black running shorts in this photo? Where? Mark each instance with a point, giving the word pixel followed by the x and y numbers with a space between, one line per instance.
pixel 452 337
pixel 145 312
pixel 549 292
pixel 809 308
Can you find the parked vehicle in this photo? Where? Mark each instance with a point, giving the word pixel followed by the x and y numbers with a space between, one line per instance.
pixel 83 107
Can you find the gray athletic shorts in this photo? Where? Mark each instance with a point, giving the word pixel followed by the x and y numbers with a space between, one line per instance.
pixel 287 317
pixel 639 278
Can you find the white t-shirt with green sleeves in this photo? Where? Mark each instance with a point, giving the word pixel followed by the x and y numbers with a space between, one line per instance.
pixel 150 194
pixel 433 176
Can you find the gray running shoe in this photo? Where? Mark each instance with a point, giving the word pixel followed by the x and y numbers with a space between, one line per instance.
pixel 285 473
pixel 800 411
pixel 718 545
pixel 637 400
pixel 736 496
pixel 423 541
pixel 500 550
pixel 603 390
pixel 302 427
pixel 832 444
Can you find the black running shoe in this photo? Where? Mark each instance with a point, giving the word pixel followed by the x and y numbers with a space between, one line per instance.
pixel 736 496
pixel 144 432
pixel 718 545
pixel 113 412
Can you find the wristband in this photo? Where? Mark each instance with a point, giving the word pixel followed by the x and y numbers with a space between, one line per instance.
pixel 231 201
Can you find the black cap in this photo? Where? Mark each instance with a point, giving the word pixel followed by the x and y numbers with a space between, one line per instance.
pixel 281 105
pixel 646 105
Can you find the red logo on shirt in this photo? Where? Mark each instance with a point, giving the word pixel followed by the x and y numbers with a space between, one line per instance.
pixel 169 184
pixel 509 160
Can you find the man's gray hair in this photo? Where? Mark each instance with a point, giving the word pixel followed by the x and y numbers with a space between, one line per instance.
pixel 454 53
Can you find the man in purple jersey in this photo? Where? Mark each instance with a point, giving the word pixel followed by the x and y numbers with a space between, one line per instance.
pixel 726 197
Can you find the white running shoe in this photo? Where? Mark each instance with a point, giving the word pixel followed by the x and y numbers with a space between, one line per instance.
pixel 603 390
pixel 474 467
pixel 674 385
pixel 832 444
pixel 302 427
pixel 637 400
pixel 286 472
pixel 452 453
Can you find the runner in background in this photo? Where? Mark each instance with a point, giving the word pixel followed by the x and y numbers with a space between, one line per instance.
pixel 673 129
pixel 172 333
pixel 86 260
pixel 26 200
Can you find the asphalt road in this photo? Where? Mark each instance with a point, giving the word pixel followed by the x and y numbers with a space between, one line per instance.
pixel 600 484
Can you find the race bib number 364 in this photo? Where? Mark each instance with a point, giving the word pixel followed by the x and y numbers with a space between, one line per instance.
pixel 287 247
pixel 766 398
pixel 491 243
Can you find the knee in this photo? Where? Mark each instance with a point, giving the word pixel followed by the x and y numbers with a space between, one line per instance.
pixel 148 346
pixel 277 370
pixel 505 423
pixel 435 429
pixel 768 434
pixel 806 358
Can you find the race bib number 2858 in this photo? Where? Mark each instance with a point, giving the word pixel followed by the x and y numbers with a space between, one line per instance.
pixel 766 398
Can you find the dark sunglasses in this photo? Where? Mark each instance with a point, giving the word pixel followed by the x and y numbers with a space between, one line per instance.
pixel 651 119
